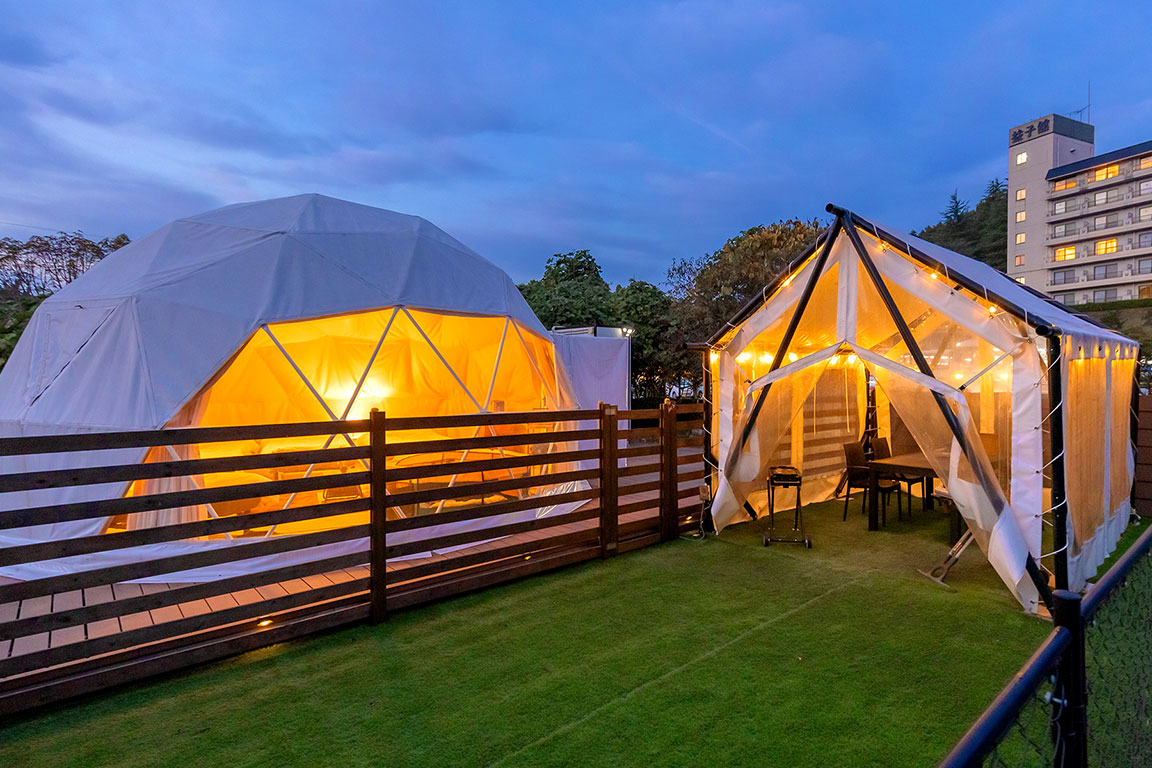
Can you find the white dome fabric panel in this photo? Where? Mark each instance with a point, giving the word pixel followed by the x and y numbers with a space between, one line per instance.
pixel 171 308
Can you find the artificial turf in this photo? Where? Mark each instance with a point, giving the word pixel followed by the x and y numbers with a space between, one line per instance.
pixel 698 652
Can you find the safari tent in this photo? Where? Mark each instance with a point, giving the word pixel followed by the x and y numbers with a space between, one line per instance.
pixel 1021 406
pixel 297 309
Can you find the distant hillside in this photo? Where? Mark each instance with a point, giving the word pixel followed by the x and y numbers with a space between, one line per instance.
pixel 980 232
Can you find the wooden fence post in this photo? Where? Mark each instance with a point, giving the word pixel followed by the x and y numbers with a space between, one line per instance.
pixel 669 483
pixel 378 541
pixel 609 482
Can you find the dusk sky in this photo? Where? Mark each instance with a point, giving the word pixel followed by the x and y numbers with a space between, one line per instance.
pixel 641 131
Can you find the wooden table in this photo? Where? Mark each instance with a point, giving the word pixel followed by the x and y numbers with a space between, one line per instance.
pixel 907 464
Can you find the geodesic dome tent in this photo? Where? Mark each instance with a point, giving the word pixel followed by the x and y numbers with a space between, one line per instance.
pixel 998 387
pixel 297 309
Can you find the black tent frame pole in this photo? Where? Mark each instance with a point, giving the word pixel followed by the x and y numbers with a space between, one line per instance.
pixel 789 332
pixel 953 422
pixel 1056 443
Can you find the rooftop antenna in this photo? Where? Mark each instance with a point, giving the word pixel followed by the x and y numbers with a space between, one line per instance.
pixel 1084 114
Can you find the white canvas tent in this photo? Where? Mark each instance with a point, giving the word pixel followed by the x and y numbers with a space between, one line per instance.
pixel 999 387
pixel 297 309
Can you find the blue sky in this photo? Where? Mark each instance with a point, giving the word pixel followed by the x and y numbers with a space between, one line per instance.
pixel 642 131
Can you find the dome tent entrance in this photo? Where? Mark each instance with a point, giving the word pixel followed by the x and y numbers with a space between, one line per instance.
pixel 959 358
pixel 298 309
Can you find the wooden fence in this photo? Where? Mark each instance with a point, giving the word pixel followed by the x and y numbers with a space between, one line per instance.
pixel 1142 492
pixel 389 513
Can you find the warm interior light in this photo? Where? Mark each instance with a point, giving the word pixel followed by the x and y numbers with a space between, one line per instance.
pixel 713 356
pixel 264 623
pixel 835 359
pixel 851 358
pixel 935 276
pixel 766 357
pixel 793 357
pixel 992 309
pixel 959 376
pixel 743 357
pixel 787 281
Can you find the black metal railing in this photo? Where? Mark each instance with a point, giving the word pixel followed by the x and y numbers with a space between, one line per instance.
pixel 1084 698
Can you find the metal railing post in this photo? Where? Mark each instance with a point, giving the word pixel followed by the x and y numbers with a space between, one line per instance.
pixel 609 482
pixel 669 483
pixel 1069 701
pixel 378 540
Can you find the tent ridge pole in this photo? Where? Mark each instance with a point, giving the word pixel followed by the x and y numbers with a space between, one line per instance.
pixel 1033 569
pixel 789 332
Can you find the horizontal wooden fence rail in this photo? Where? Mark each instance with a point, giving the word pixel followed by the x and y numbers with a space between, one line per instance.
pixel 220 539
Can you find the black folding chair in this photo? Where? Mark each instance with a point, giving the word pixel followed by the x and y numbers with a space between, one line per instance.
pixel 859 475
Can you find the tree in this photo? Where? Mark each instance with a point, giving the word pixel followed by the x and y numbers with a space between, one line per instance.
pixel 33 269
pixel 953 213
pixel 981 233
pixel 647 310
pixel 710 289
pixel 43 264
pixel 572 292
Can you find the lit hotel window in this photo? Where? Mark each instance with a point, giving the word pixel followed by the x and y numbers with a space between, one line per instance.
pixel 1020 238
pixel 1106 246
pixel 1020 279
pixel 1146 162
pixel 1021 194
pixel 1060 207
pixel 1107 172
pixel 1021 158
pixel 1019 261
pixel 1021 215
pixel 1060 186
pixel 1067 253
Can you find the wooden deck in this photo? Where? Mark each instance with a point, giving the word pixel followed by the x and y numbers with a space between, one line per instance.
pixel 410 581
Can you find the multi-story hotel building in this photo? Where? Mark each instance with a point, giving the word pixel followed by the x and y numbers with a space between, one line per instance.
pixel 1079 224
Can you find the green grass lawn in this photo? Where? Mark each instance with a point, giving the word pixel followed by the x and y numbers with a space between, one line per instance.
pixel 713 652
